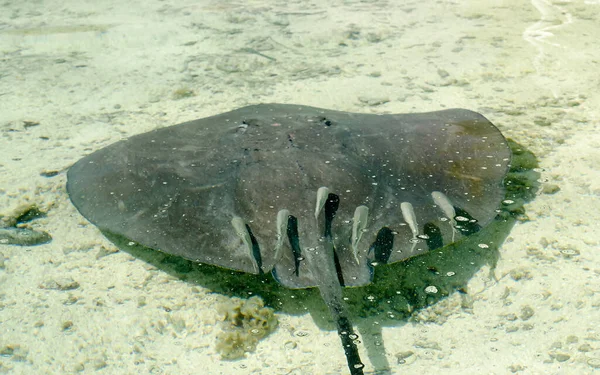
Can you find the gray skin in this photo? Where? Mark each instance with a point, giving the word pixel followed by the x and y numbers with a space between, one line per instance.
pixel 231 190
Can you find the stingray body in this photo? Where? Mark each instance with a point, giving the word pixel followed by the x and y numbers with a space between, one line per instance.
pixel 315 196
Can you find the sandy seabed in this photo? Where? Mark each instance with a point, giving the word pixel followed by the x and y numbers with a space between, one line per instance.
pixel 76 76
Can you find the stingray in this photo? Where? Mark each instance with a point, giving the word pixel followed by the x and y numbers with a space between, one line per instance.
pixel 316 197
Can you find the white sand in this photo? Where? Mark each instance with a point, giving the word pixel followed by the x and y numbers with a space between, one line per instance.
pixel 91 74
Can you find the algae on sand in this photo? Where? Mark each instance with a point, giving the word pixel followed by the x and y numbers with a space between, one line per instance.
pixel 15 230
pixel 244 323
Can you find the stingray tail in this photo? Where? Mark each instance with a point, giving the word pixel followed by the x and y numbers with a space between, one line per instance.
pixel 333 298
pixel 330 279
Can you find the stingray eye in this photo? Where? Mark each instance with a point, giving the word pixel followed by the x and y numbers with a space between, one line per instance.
pixel 325 121
pixel 241 128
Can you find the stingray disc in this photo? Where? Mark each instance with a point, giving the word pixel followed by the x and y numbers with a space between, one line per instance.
pixel 260 188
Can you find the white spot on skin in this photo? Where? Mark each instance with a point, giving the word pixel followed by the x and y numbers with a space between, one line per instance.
pixel 431 289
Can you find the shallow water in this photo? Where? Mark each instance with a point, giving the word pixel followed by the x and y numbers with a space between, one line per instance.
pixel 76 76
